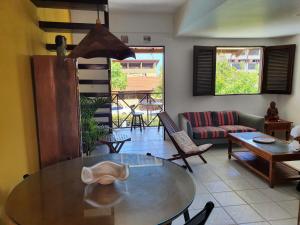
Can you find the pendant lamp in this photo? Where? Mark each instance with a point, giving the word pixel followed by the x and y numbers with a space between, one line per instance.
pixel 100 42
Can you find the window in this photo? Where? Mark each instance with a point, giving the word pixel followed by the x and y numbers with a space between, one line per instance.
pixel 240 77
pixel 243 70
pixel 134 65
pixel 148 65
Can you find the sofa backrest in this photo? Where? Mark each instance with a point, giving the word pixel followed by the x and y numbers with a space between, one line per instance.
pixel 225 118
pixel 199 119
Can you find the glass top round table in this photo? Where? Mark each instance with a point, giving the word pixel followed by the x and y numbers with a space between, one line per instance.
pixel 156 192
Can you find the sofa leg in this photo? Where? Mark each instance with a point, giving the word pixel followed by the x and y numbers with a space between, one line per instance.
pixel 201 157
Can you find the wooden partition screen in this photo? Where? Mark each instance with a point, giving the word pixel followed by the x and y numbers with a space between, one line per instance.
pixel 57 109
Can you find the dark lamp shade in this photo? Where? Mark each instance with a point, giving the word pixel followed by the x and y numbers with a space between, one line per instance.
pixel 99 42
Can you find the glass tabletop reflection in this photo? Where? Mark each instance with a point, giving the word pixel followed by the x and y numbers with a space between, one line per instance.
pixel 155 192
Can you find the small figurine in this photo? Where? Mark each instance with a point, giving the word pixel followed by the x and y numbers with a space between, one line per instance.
pixel 61 44
pixel 272 113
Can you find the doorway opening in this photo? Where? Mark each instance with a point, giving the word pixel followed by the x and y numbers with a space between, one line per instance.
pixel 138 85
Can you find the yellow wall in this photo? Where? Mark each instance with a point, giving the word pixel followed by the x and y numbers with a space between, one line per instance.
pixel 20 38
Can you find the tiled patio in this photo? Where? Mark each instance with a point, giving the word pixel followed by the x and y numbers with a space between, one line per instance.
pixel 240 197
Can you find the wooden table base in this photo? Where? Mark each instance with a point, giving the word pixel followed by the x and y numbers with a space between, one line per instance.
pixel 273 172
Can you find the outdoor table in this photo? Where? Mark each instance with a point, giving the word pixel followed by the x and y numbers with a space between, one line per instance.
pixel 156 192
pixel 114 141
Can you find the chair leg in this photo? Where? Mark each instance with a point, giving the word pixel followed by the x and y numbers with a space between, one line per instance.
pixel 143 122
pixel 158 128
pixel 134 126
pixel 140 123
pixel 187 165
pixel 201 157
pixel 186 215
pixel 132 123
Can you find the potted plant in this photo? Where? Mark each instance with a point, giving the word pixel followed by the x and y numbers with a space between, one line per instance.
pixel 90 130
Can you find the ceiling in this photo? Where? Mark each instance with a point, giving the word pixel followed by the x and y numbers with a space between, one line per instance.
pixel 161 6
pixel 239 18
pixel 223 18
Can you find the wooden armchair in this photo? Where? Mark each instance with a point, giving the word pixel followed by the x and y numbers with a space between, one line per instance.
pixel 171 128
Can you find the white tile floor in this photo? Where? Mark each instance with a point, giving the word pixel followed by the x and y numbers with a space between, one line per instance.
pixel 240 196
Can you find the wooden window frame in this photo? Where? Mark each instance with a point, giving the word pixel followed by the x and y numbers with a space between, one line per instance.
pixel 263 71
pixel 196 92
pixel 292 49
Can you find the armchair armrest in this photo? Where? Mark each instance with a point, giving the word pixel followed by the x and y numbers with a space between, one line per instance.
pixel 185 124
pixel 253 121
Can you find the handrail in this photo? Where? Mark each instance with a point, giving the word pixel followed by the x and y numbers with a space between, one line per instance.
pixel 146 101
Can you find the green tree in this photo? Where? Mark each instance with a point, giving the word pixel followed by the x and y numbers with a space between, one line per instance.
pixel 118 77
pixel 229 80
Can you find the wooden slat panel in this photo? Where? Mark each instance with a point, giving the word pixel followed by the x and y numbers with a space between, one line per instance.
pixel 97 115
pixel 105 106
pixel 52 47
pixel 72 4
pixel 65 27
pixel 204 70
pixel 93 82
pixel 104 123
pixel 93 66
pixel 278 69
pixel 94 94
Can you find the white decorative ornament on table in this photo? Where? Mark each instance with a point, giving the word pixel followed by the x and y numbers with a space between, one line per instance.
pixel 295 132
pixel 294 146
pixel 105 172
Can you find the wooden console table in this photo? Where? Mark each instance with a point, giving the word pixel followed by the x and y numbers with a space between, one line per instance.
pixel 281 125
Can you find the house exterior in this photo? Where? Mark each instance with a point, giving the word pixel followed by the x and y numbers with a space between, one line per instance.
pixel 141 67
pixel 246 59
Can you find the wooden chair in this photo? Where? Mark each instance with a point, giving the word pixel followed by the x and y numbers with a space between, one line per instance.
pixel 201 217
pixel 171 128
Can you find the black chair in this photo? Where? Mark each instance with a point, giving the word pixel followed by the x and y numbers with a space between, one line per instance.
pixel 201 217
pixel 137 119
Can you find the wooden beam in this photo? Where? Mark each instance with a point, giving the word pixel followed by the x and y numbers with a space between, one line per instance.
pixel 94 82
pixel 52 47
pixel 93 66
pixel 64 27
pixel 95 94
pixel 72 4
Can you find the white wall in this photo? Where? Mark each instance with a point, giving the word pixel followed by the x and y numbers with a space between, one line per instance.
pixel 179 65
pixel 289 105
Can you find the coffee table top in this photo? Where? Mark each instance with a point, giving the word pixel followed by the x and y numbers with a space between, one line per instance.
pixel 280 147
pixel 155 192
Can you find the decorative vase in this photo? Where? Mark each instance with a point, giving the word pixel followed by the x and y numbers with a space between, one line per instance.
pixel 104 173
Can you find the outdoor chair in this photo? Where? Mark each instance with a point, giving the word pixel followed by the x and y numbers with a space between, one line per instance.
pixel 201 217
pixel 137 119
pixel 171 128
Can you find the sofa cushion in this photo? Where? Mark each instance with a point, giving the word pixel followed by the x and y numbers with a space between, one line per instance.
pixel 225 118
pixel 237 128
pixel 209 132
pixel 199 119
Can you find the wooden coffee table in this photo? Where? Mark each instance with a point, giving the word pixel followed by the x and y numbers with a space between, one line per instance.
pixel 266 160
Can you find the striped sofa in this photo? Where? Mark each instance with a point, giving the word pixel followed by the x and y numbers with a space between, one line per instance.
pixel 213 127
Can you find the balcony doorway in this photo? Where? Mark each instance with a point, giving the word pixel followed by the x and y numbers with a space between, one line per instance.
pixel 138 84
